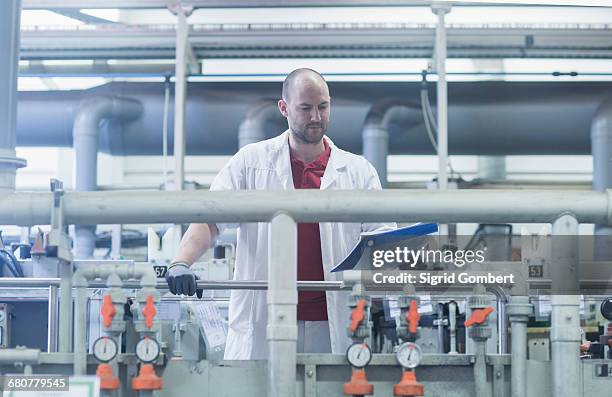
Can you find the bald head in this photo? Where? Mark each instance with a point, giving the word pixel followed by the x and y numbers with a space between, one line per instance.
pixel 300 77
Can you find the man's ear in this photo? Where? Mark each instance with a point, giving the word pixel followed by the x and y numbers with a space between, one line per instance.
pixel 282 107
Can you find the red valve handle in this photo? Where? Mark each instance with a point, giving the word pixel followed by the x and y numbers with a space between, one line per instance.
pixel 358 315
pixel 413 317
pixel 108 310
pixel 149 312
pixel 478 316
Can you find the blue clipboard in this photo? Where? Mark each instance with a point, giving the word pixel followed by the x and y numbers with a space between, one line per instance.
pixel 384 237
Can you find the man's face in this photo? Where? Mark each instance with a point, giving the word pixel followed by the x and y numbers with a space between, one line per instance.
pixel 307 109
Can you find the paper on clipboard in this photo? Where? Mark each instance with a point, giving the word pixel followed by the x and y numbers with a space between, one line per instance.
pixel 416 234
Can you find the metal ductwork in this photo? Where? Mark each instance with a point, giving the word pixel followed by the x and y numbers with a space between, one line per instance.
pixel 253 128
pixel 485 118
pixel 601 146
pixel 375 133
pixel 85 137
pixel 10 12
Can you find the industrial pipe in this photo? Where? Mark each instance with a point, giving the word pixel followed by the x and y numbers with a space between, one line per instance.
pixel 494 206
pixel 565 316
pixel 10 13
pixel 253 128
pixel 19 355
pixel 282 332
pixel 85 138
pixel 601 148
pixel 375 133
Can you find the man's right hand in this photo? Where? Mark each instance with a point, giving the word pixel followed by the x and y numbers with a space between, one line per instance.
pixel 182 280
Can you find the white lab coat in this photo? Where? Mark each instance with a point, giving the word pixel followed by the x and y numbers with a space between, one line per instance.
pixel 266 166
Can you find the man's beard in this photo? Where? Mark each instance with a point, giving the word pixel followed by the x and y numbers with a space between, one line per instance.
pixel 307 135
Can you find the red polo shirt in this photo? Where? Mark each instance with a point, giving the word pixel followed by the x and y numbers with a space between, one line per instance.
pixel 312 305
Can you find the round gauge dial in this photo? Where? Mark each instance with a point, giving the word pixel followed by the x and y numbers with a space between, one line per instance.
pixel 409 355
pixel 147 350
pixel 606 309
pixel 359 355
pixel 105 349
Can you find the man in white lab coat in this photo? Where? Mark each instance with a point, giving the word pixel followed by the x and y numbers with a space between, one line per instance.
pixel 301 157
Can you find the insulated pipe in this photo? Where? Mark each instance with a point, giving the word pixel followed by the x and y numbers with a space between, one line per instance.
pixel 282 307
pixel 601 148
pixel 375 133
pixel 495 206
pixel 565 316
pixel 85 139
pixel 10 12
pixel 253 128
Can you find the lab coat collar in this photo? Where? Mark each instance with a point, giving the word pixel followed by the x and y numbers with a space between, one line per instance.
pixel 337 161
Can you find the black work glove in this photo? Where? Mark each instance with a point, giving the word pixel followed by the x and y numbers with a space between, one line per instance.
pixel 182 280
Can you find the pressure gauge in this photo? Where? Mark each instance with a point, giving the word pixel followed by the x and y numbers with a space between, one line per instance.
pixel 606 309
pixel 105 349
pixel 409 355
pixel 359 355
pixel 147 350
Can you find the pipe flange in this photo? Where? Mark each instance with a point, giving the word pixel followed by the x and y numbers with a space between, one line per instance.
pixel 478 301
pixel 11 161
pixel 480 333
pixel 518 309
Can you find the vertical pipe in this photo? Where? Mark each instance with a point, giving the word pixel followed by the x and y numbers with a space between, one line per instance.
pixel 565 317
pixel 10 13
pixel 180 90
pixel 282 311
pixel 376 148
pixel 480 370
pixel 65 308
pixel 80 319
pixel 518 310
pixel 442 98
pixel 601 149
pixel 52 326
pixel 85 133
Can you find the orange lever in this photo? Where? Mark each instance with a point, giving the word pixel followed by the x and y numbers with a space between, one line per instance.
pixel 357 315
pixel 147 379
pixel 108 310
pixel 478 316
pixel 107 380
pixel 413 317
pixel 358 385
pixel 149 312
pixel 408 386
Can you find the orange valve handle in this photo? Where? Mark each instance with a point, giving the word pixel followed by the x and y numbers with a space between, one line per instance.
pixel 358 385
pixel 358 315
pixel 413 317
pixel 149 312
pixel 108 381
pixel 108 310
pixel 478 316
pixel 147 379
pixel 408 386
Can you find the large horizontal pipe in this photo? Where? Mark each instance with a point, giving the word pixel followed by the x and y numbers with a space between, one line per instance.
pixel 530 116
pixel 480 206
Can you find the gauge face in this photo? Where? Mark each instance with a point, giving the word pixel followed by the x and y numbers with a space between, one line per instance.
pixel 409 355
pixel 147 350
pixel 359 355
pixel 606 309
pixel 105 349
